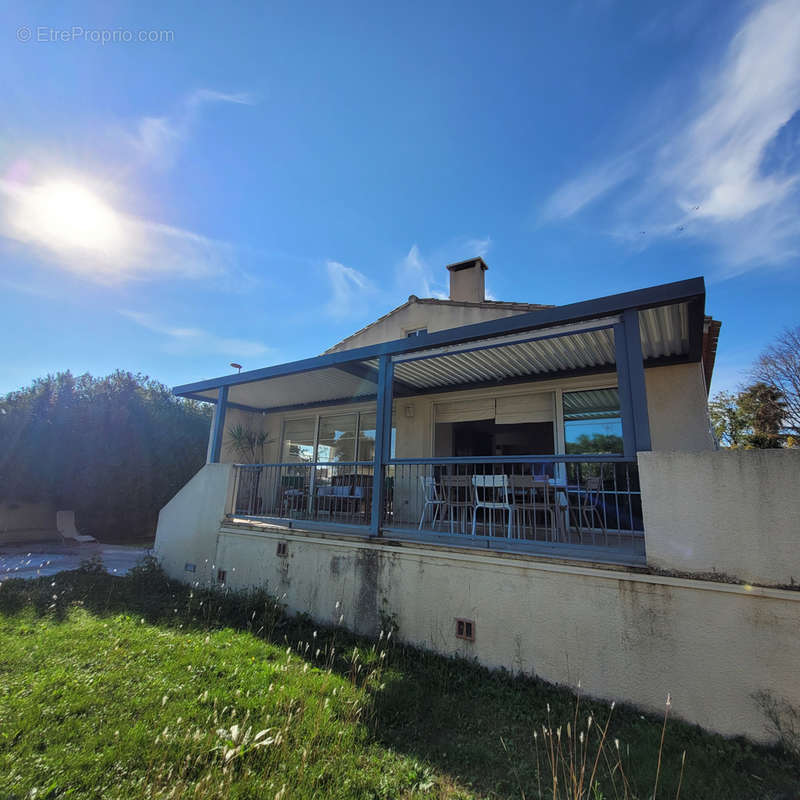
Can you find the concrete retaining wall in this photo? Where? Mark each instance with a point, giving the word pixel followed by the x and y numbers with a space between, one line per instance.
pixel 623 635
pixel 27 516
pixel 735 512
pixel 27 523
pixel 189 523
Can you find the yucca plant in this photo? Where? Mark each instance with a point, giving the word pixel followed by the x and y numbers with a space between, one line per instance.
pixel 248 444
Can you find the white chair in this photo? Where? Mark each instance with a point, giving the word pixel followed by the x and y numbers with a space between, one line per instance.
pixel 492 493
pixel 433 499
pixel 65 523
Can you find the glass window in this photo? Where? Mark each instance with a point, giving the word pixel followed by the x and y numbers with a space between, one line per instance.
pixel 592 422
pixel 416 332
pixel 366 437
pixel 337 438
pixel 298 439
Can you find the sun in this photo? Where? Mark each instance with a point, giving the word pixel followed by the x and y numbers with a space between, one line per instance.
pixel 65 215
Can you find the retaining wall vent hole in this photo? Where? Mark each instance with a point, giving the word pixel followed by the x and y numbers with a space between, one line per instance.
pixel 465 629
pixel 283 549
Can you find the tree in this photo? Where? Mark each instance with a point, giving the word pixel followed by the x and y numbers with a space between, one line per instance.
pixel 779 366
pixel 115 449
pixel 764 409
pixel 751 418
pixel 727 419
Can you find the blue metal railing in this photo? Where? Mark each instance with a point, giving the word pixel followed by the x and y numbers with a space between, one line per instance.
pixel 337 492
pixel 561 502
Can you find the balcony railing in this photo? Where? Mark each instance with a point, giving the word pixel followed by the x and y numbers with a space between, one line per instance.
pixel 551 503
pixel 520 502
pixel 339 492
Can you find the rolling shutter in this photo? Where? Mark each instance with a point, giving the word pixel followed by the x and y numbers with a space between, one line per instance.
pixel 524 408
pixel 464 410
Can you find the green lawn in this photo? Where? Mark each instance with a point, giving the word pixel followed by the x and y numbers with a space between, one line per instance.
pixel 139 687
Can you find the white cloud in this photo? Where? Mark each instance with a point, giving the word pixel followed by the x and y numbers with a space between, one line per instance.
pixel 706 175
pixel 414 275
pixel 579 192
pixel 157 140
pixel 478 247
pixel 349 290
pixel 135 248
pixel 353 294
pixel 755 94
pixel 425 276
pixel 195 340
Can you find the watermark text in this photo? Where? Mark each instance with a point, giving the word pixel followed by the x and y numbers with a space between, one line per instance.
pixel 102 36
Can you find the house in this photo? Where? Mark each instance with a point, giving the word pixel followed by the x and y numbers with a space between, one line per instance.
pixel 533 486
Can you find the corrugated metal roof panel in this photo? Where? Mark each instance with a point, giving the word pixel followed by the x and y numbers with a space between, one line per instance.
pixel 574 351
pixel 588 403
pixel 664 330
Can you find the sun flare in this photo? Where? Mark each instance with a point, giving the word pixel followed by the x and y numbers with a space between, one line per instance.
pixel 64 215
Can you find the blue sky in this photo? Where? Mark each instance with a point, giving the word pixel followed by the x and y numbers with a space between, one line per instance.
pixel 265 180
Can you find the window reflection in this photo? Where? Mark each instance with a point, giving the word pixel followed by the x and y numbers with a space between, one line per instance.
pixel 298 439
pixel 337 438
pixel 366 437
pixel 592 421
pixel 341 437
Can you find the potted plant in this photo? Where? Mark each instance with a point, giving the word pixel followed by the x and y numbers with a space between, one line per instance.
pixel 249 446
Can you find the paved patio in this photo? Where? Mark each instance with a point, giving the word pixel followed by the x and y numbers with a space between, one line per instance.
pixel 31 561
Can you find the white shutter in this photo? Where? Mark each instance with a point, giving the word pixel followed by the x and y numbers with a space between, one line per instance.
pixel 524 408
pixel 464 410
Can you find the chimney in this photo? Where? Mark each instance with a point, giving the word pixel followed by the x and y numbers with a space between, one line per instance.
pixel 467 281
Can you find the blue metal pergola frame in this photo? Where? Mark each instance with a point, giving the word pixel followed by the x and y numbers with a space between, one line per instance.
pixel 628 356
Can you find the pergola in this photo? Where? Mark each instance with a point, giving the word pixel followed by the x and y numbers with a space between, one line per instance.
pixel 624 333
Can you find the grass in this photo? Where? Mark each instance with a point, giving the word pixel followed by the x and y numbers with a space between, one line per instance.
pixel 140 687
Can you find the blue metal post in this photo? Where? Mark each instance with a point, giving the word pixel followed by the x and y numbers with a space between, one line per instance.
pixel 218 428
pixel 383 438
pixel 630 378
pixel 641 418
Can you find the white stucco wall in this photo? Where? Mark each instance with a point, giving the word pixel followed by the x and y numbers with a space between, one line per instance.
pixel 189 523
pixel 624 636
pixel 735 512
pixel 677 405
